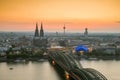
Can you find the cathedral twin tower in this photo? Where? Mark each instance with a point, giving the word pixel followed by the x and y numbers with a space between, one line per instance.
pixel 37 34
pixel 39 40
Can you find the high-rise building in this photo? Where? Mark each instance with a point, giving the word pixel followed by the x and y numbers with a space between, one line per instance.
pixel 36 31
pixel 41 31
pixel 86 32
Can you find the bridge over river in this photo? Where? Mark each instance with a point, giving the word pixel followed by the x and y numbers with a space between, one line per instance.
pixel 73 67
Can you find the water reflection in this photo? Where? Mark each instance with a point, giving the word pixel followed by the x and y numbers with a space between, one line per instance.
pixel 30 71
pixel 46 71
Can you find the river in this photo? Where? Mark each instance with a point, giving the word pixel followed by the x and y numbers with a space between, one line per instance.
pixel 45 71
pixel 109 68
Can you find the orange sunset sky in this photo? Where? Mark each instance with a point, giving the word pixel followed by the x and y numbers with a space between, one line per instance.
pixel 96 15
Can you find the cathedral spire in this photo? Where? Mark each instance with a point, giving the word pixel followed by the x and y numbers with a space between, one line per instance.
pixel 36 30
pixel 41 31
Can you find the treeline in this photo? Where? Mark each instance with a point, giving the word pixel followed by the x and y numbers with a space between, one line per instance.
pixel 24 53
pixel 102 55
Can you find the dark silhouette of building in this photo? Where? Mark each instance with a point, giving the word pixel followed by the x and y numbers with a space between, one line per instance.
pixel 39 41
pixel 86 32
pixel 64 29
pixel 36 31
pixel 41 31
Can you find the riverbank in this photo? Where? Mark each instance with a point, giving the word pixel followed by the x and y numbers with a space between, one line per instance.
pixel 4 59
pixel 99 57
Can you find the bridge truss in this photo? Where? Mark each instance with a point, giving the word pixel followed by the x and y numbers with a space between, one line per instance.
pixel 72 66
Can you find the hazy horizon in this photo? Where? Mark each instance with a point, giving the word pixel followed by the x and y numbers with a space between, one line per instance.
pixel 61 32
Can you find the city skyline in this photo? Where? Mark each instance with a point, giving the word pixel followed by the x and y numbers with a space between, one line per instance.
pixel 96 15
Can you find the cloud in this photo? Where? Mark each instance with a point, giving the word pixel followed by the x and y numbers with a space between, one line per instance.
pixel 117 21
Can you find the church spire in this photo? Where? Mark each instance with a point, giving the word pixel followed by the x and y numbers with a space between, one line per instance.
pixel 36 30
pixel 41 31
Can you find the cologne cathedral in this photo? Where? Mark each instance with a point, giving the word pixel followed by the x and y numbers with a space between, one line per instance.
pixel 39 40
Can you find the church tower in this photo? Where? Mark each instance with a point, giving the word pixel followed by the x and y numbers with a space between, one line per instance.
pixel 86 32
pixel 41 31
pixel 39 40
pixel 36 31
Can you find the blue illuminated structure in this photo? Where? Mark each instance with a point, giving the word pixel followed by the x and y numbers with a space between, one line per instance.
pixel 81 48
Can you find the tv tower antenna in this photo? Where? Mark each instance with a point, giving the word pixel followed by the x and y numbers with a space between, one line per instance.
pixel 64 29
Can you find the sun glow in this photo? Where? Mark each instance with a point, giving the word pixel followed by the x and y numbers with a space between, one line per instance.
pixel 94 14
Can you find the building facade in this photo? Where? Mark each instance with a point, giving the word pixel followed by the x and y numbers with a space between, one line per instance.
pixel 39 40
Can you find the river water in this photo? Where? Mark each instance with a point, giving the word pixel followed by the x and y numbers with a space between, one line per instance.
pixel 109 68
pixel 45 71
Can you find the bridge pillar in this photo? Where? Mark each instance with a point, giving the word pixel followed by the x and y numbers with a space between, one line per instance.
pixel 67 75
pixel 53 62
